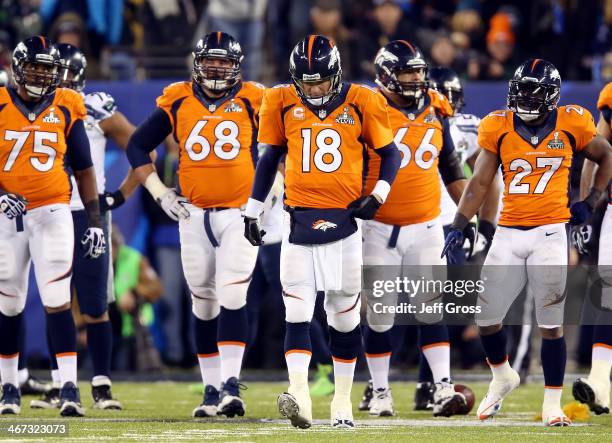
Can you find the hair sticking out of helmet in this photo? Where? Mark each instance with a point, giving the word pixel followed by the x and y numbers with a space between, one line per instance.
pixel 73 65
pixel 446 81
pixel 36 67
pixel 534 90
pixel 316 70
pixel 401 69
pixel 216 62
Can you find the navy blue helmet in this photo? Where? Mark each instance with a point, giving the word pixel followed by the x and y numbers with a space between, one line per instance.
pixel 36 66
pixel 217 45
pixel 446 81
pixel 313 60
pixel 396 57
pixel 535 89
pixel 73 62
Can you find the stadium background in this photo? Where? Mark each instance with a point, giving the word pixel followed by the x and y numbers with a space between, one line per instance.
pixel 136 47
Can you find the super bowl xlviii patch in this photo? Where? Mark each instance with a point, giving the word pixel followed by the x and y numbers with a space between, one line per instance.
pixel 556 142
pixel 232 106
pixel 51 117
pixel 431 117
pixel 345 117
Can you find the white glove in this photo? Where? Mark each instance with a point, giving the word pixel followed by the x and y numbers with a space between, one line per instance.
pixel 174 205
pixel 93 242
pixel 12 205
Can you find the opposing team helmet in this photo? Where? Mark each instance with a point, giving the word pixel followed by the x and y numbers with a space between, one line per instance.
pixel 315 59
pixel 72 61
pixel 220 46
pixel 36 66
pixel 446 81
pixel 394 58
pixel 534 89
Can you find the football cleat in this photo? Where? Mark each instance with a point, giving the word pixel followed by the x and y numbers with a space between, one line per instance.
pixel 49 400
pixel 210 405
pixel 381 404
pixel 594 393
pixel 102 396
pixel 297 407
pixel 499 388
pixel 10 403
pixel 423 396
pixel 342 414
pixel 555 418
pixel 70 401
pixel 33 386
pixel 368 392
pixel 230 403
pixel 446 401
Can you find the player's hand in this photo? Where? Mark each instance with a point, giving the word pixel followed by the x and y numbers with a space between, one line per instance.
pixel 253 232
pixel 174 205
pixel 94 242
pixel 12 205
pixel 469 234
pixel 581 211
pixel 454 240
pixel 111 200
pixel 581 238
pixel 486 230
pixel 365 207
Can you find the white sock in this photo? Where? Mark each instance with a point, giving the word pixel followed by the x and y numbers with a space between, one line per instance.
pixel 601 361
pixel 501 369
pixel 298 362
pixel 378 364
pixel 438 358
pixel 343 378
pixel 210 367
pixel 67 367
pixel 101 380
pixel 24 374
pixel 552 398
pixel 231 359
pixel 8 369
pixel 56 382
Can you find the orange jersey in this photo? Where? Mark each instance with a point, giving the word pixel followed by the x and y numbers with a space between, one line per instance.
pixel 33 146
pixel 324 165
pixel 415 194
pixel 536 166
pixel 217 140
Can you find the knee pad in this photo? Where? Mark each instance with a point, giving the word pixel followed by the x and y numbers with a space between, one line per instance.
pixel 56 294
pixel 7 264
pixel 379 322
pixel 233 295
pixel 205 307
pixel 298 308
pixel 13 305
pixel 343 312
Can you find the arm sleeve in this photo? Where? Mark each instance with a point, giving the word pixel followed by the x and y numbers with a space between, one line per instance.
pixel 376 128
pixel 266 171
pixel 390 160
pixel 78 151
pixel 449 163
pixel 147 137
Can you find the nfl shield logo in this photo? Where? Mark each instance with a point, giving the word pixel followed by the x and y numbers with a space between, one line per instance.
pixel 212 108
pixel 534 140
pixel 322 113
pixel 31 116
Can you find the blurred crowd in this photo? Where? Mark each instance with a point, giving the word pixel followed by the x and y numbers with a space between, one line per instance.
pixel 482 40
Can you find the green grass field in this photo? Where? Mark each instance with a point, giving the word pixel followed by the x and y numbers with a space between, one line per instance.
pixel 162 412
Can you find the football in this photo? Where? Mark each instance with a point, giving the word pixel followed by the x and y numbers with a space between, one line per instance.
pixel 469 398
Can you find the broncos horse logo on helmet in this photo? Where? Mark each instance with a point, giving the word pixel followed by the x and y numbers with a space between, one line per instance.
pixel 534 90
pixel 446 82
pixel 217 46
pixel 36 66
pixel 396 57
pixel 315 59
pixel 74 64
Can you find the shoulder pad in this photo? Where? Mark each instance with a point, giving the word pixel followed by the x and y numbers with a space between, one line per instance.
pixel 605 97
pixel 100 105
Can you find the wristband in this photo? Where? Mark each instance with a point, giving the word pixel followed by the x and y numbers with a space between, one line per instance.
pixel 593 197
pixel 460 222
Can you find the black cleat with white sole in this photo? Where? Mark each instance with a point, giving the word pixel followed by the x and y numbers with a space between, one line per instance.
pixel 230 403
pixel 70 401
pixel 49 400
pixel 10 403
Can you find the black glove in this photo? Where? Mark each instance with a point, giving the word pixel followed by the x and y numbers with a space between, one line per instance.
pixel 580 212
pixel 253 232
pixel 469 233
pixel 487 230
pixel 111 200
pixel 365 207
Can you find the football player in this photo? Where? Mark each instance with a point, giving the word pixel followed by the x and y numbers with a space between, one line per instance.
pixel 92 279
pixel 41 126
pixel 214 118
pixel 406 230
pixel 323 124
pixel 595 389
pixel 534 141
